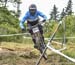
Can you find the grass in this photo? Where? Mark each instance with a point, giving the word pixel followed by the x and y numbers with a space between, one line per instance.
pixel 70 51
pixel 17 46
pixel 28 45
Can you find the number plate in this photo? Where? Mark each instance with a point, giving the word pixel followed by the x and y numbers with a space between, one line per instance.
pixel 35 29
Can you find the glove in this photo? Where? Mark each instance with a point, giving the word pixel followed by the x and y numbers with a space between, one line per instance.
pixel 23 30
pixel 43 22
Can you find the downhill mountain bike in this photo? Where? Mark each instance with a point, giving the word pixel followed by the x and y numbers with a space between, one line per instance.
pixel 39 44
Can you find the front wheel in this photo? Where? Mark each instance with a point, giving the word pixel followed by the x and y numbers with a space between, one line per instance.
pixel 40 44
pixel 42 47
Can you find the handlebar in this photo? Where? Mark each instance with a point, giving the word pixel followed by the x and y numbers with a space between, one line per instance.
pixel 30 27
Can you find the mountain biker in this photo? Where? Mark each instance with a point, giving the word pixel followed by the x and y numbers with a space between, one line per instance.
pixel 32 18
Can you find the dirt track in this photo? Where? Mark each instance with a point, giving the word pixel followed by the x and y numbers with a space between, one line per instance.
pixel 8 57
pixel 28 57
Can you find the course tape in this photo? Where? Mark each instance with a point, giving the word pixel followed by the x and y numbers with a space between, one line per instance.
pixel 14 34
pixel 19 34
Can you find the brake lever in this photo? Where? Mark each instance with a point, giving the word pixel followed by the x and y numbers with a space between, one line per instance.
pixel 42 23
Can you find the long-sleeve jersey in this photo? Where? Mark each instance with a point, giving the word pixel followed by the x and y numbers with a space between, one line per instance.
pixel 28 16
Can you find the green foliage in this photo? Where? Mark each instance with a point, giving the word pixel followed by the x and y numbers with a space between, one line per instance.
pixel 48 28
pixel 54 13
pixel 70 25
pixel 9 24
pixel 7 20
pixel 63 13
pixel 69 8
pixel 69 22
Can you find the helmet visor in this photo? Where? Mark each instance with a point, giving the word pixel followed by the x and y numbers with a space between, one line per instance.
pixel 32 10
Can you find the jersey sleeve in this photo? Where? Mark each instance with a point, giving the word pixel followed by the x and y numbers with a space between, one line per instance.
pixel 42 15
pixel 23 20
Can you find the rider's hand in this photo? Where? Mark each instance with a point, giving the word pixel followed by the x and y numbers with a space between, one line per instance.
pixel 43 22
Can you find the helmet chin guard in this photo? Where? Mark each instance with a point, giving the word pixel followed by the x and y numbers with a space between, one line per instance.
pixel 32 9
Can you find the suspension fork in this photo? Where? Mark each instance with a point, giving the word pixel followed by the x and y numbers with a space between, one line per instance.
pixel 36 36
